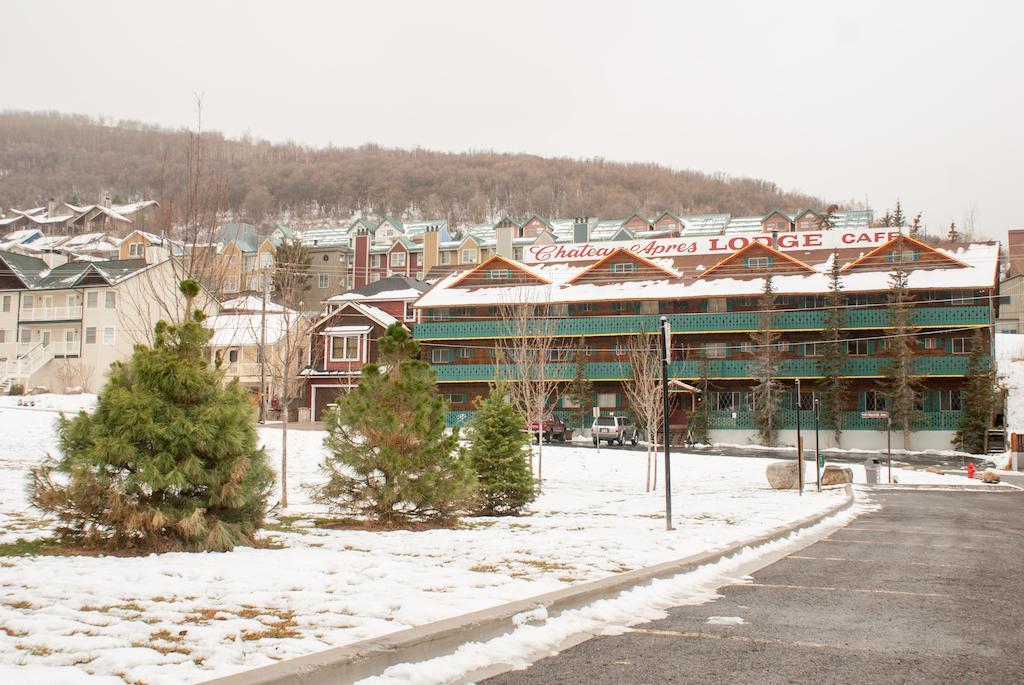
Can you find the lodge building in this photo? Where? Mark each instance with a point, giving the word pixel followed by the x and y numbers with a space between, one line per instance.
pixel 597 296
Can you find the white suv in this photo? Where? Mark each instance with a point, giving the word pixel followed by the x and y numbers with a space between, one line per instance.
pixel 614 429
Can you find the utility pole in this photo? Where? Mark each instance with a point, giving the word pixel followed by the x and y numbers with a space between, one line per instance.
pixel 263 348
pixel 666 351
pixel 817 445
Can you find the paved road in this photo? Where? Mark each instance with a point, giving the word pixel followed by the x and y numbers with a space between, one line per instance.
pixel 930 589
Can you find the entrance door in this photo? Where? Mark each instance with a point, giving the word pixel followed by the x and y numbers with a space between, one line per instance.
pixel 46 338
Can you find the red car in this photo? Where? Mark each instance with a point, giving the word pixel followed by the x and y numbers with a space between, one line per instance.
pixel 551 428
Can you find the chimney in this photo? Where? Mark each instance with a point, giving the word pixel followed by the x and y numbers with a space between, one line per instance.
pixel 580 230
pixel 361 260
pixel 1015 250
pixel 51 208
pixel 432 248
pixel 503 236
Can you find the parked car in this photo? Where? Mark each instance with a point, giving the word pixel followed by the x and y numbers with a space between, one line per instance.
pixel 614 429
pixel 551 428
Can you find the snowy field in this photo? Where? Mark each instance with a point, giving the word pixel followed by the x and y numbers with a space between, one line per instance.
pixel 180 618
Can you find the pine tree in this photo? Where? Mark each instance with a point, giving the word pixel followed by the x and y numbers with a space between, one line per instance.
pixel 581 388
pixel 901 386
pixel 887 219
pixel 169 461
pixel 898 219
pixel 977 398
pixel 391 458
pixel 767 389
pixel 499 452
pixel 700 419
pixel 915 226
pixel 953 236
pixel 835 385
pixel 292 275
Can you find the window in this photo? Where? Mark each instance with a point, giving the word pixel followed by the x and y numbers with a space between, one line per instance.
pixel 25 335
pixel 250 283
pixel 464 352
pixel 324 281
pixel 904 256
pixel 619 349
pixel 949 400
pixel 607 400
pixel 806 401
pixel 857 348
pixel 558 354
pixel 249 262
pixel 231 285
pixel 7 303
pixel 517 253
pixel 499 274
pixel 746 347
pixel 585 307
pixel 759 262
pixel 729 401
pixel 962 297
pixel 718 304
pixel 814 349
pixel 649 307
pixel 91 299
pixel 469 256
pixel 266 259
pixel 73 300
pixel 90 335
pixel 409 312
pixel 134 249
pixel 875 401
pixel 961 345
pixel 375 260
pixel 3 335
pixel 108 335
pixel 455 398
pixel 931 343
pixel 560 310
pixel 624 268
pixel 233 356
pixel 27 301
pixel 716 350
pixel 439 356
pixel 446 257
pixel 344 348
pixel 110 299
pixel 397 259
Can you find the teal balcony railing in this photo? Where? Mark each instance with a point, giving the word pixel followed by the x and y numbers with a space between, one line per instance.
pixel 744 420
pixel 857 367
pixel 724 322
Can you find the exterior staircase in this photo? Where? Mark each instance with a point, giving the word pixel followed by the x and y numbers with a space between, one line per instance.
pixel 21 368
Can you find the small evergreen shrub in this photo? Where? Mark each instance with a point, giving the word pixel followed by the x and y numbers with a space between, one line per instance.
pixel 169 460
pixel 16 389
pixel 391 458
pixel 500 454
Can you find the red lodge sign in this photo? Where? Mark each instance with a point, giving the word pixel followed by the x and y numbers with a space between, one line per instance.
pixel 724 244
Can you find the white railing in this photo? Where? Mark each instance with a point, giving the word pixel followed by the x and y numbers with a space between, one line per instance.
pixel 242 370
pixel 25 364
pixel 51 313
pixel 54 347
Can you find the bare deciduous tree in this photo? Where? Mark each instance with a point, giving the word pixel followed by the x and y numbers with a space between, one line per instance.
pixel 74 374
pixel 643 392
pixel 527 347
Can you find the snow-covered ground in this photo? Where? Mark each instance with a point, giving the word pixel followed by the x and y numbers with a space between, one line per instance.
pixel 178 618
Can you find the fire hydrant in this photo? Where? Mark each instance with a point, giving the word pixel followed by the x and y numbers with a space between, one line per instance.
pixel 970 470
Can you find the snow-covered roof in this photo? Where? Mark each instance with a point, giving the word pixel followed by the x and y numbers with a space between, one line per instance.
pixel 345 330
pixel 980 272
pixel 237 329
pixel 250 303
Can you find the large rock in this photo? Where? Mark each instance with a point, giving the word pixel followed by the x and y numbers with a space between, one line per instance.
pixel 782 475
pixel 836 475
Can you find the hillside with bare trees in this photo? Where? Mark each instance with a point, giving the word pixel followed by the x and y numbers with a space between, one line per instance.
pixel 75 158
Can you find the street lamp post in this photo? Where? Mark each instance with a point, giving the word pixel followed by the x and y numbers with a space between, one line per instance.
pixel 799 443
pixel 666 347
pixel 817 445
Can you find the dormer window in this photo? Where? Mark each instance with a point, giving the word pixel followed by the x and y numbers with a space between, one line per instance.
pixel 759 262
pixel 904 256
pixel 499 274
pixel 624 268
pixel 397 259
pixel 469 256
pixel 134 249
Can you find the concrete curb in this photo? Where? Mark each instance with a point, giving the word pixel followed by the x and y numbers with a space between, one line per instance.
pixel 353 662
pixel 938 487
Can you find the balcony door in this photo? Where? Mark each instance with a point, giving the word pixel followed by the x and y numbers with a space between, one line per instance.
pixel 46 337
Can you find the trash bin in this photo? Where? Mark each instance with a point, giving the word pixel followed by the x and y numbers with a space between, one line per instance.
pixel 872 467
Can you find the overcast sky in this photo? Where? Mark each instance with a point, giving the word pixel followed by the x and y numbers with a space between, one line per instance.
pixel 862 100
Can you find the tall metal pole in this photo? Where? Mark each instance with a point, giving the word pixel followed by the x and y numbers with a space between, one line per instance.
pixel 799 444
pixel 263 348
pixel 888 443
pixel 666 346
pixel 817 445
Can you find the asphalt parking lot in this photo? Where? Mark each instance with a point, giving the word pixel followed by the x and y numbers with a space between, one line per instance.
pixel 929 589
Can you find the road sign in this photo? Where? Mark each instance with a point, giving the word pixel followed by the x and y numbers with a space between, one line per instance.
pixel 874 414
